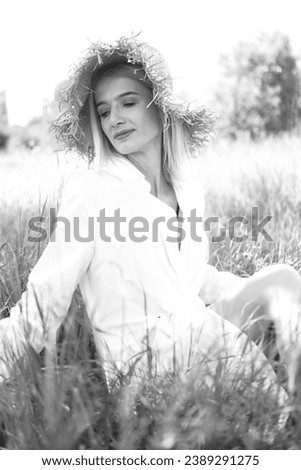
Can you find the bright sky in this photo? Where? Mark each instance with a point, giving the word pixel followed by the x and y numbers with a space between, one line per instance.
pixel 40 39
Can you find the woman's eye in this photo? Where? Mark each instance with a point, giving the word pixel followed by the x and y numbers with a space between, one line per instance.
pixel 129 104
pixel 104 114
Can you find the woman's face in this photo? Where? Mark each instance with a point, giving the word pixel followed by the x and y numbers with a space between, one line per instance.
pixel 130 126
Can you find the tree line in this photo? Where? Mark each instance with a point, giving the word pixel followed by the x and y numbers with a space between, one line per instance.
pixel 259 94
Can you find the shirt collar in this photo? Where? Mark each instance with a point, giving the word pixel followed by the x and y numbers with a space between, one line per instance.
pixel 124 170
pixel 188 189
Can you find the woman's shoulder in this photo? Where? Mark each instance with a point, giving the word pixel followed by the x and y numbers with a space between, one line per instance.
pixel 190 186
pixel 89 179
pixel 79 187
pixel 83 179
pixel 191 176
pixel 87 184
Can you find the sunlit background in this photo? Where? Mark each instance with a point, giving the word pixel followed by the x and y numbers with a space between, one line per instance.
pixel 40 39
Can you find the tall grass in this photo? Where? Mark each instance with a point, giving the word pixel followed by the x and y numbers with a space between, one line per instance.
pixel 60 400
pixel 265 175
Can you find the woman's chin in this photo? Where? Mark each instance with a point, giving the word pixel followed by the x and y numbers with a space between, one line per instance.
pixel 125 148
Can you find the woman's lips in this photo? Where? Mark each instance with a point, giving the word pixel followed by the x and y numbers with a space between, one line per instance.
pixel 123 135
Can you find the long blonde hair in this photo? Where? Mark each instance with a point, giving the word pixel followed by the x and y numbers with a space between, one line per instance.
pixel 175 151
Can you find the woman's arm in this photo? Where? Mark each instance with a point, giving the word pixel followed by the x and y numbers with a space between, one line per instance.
pixel 217 283
pixel 35 319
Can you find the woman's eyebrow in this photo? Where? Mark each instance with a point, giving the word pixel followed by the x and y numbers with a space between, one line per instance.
pixel 118 97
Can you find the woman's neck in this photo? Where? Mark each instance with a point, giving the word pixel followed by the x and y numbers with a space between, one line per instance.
pixel 150 164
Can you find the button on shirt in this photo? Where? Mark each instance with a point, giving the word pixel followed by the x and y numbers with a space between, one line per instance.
pixel 141 295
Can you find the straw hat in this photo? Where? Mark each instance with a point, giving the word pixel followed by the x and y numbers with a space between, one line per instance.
pixel 73 130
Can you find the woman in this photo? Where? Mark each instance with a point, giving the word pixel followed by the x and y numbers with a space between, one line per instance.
pixel 124 232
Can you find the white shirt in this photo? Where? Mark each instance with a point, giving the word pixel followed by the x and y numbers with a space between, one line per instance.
pixel 140 296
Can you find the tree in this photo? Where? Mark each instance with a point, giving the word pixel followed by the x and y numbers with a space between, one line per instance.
pixel 260 88
pixel 3 121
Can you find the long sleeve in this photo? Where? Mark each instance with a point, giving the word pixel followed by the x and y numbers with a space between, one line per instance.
pixel 35 318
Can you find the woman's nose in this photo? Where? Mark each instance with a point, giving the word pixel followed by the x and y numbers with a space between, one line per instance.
pixel 116 117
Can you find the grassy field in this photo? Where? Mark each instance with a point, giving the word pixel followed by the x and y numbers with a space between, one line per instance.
pixel 62 402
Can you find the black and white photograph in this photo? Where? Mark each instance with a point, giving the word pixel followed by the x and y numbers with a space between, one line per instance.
pixel 150 232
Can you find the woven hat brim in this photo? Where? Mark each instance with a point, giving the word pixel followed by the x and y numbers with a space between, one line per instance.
pixel 72 128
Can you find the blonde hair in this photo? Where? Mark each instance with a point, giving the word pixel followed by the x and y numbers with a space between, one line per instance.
pixel 175 151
